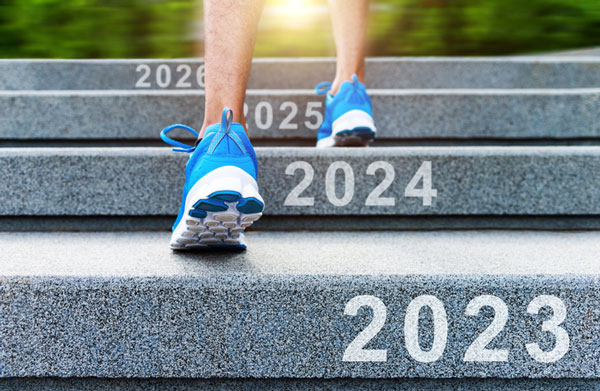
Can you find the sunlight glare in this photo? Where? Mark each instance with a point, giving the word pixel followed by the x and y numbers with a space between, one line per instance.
pixel 295 6
pixel 296 14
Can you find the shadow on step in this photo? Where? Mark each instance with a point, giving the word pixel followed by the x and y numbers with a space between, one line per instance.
pixel 309 223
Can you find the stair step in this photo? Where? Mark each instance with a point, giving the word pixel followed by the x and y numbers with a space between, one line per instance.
pixel 95 384
pixel 123 305
pixel 468 181
pixel 427 72
pixel 297 114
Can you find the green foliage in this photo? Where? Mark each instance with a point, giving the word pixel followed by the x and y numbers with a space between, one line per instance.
pixel 485 27
pixel 167 28
pixel 95 28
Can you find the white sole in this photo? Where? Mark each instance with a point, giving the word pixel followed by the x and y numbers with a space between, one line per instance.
pixel 218 208
pixel 353 119
pixel 354 128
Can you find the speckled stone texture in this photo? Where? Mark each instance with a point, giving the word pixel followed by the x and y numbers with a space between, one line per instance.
pixel 89 384
pixel 469 180
pixel 39 223
pixel 430 72
pixel 399 114
pixel 585 52
pixel 123 305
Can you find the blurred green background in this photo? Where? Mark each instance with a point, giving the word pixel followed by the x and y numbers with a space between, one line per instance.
pixel 173 28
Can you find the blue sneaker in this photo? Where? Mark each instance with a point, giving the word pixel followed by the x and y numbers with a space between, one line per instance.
pixel 220 196
pixel 348 116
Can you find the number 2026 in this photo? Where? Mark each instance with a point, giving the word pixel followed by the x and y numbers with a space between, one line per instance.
pixel 164 76
pixel 477 351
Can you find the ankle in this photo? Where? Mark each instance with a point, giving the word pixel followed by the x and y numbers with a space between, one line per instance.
pixel 212 120
pixel 342 77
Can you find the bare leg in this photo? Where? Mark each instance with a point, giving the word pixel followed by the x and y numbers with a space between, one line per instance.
pixel 230 31
pixel 349 19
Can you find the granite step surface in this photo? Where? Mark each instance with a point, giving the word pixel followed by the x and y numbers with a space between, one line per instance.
pixel 387 181
pixel 401 384
pixel 424 72
pixel 496 304
pixel 457 114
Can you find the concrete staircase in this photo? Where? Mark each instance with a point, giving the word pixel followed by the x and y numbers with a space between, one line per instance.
pixel 459 252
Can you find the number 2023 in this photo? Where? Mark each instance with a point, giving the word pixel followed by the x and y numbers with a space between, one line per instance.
pixel 477 351
pixel 423 174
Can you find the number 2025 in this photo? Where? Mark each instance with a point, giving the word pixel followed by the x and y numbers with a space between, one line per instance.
pixel 375 198
pixel 477 351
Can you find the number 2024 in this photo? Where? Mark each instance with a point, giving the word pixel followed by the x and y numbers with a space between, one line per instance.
pixel 423 174
pixel 477 351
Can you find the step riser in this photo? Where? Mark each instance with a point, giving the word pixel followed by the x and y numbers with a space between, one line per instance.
pixel 329 223
pixel 533 72
pixel 300 385
pixel 468 181
pixel 173 327
pixel 398 114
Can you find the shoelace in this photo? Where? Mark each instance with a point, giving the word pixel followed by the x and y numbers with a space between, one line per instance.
pixel 181 146
pixel 226 120
pixel 324 87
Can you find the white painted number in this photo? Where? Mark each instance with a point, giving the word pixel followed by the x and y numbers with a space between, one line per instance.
pixel 142 81
pixel 478 351
pixel 163 76
pixel 552 325
pixel 183 80
pixel 286 123
pixel 200 75
pixel 263 115
pixel 348 183
pixel 294 199
pixel 355 351
pixel 426 192
pixel 313 109
pixel 374 198
pixel 263 123
pixel 411 328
